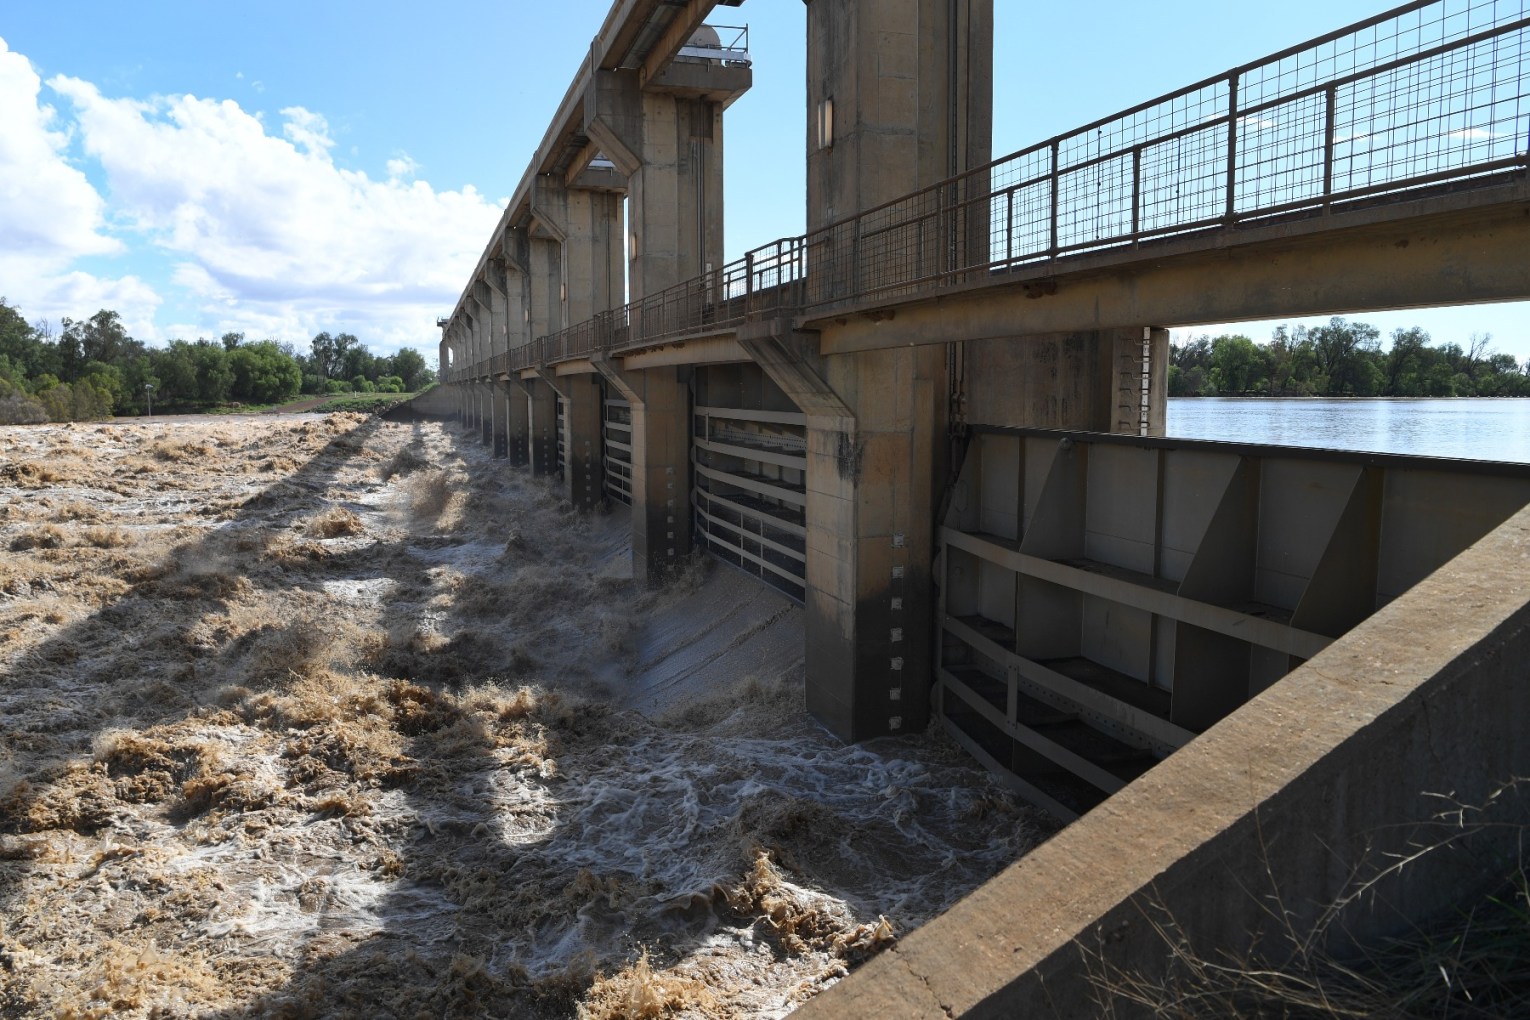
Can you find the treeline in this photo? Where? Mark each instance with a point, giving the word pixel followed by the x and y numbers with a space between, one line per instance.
pixel 1343 359
pixel 93 369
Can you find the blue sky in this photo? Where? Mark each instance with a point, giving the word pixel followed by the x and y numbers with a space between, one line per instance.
pixel 286 168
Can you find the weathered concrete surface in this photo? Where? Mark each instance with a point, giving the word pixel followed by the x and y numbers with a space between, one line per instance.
pixel 583 468
pixel 1431 695
pixel 436 402
pixel 661 457
pixel 900 95
pixel 1066 381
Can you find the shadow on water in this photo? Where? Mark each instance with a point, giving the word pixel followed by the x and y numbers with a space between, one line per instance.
pixel 493 884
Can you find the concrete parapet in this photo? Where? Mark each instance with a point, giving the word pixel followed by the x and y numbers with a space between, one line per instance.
pixel 1292 796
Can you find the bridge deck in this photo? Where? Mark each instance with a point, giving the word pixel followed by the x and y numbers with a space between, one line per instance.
pixel 1419 112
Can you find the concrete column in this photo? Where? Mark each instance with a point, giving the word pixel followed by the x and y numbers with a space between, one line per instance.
pixel 661 482
pixel 665 136
pixel 474 340
pixel 517 423
pixel 583 468
pixel 545 281
pixel 470 398
pixel 486 409
pixel 453 343
pixel 496 304
pixel 499 399
pixel 587 224
pixel 515 245
pixel 900 96
pixel 899 99
pixel 542 426
pixel 876 450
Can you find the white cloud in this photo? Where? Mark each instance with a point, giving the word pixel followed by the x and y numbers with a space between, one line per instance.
pixel 402 165
pixel 47 207
pixel 268 233
pixel 79 295
pixel 306 128
pixel 1475 132
pixel 50 215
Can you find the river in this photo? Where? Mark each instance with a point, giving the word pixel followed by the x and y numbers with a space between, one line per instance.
pixel 1480 428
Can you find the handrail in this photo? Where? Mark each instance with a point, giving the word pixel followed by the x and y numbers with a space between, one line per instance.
pixel 1431 92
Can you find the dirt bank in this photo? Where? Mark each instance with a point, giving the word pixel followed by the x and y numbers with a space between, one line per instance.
pixel 308 716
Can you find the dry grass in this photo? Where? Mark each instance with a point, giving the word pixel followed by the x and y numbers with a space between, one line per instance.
pixel 107 538
pixel 1474 962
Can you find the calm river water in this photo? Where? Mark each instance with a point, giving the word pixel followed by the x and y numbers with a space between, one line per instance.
pixel 1479 428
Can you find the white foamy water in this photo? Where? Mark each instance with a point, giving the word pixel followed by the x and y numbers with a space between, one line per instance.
pixel 455 763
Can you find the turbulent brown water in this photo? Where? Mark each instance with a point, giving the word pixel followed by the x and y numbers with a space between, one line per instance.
pixel 335 717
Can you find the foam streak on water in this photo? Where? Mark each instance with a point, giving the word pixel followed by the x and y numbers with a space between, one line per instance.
pixel 395 734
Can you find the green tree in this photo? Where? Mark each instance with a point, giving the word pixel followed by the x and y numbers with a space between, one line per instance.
pixel 329 353
pixel 176 368
pixel 1235 364
pixel 410 366
pixel 1343 351
pixel 26 347
pixel 214 377
pixel 264 373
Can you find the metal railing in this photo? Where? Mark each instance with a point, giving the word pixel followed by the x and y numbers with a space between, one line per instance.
pixel 1430 94
pixel 732 46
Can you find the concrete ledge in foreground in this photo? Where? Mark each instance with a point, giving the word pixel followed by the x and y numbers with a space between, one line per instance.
pixel 1288 796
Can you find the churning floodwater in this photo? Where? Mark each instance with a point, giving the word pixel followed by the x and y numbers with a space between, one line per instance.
pixel 338 717
pixel 1479 428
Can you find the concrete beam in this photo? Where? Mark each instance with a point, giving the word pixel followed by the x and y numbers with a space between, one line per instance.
pixel 716 350
pixel 1315 266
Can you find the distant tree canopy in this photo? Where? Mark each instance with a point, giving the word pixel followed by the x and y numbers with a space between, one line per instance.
pixel 1343 359
pixel 91 368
